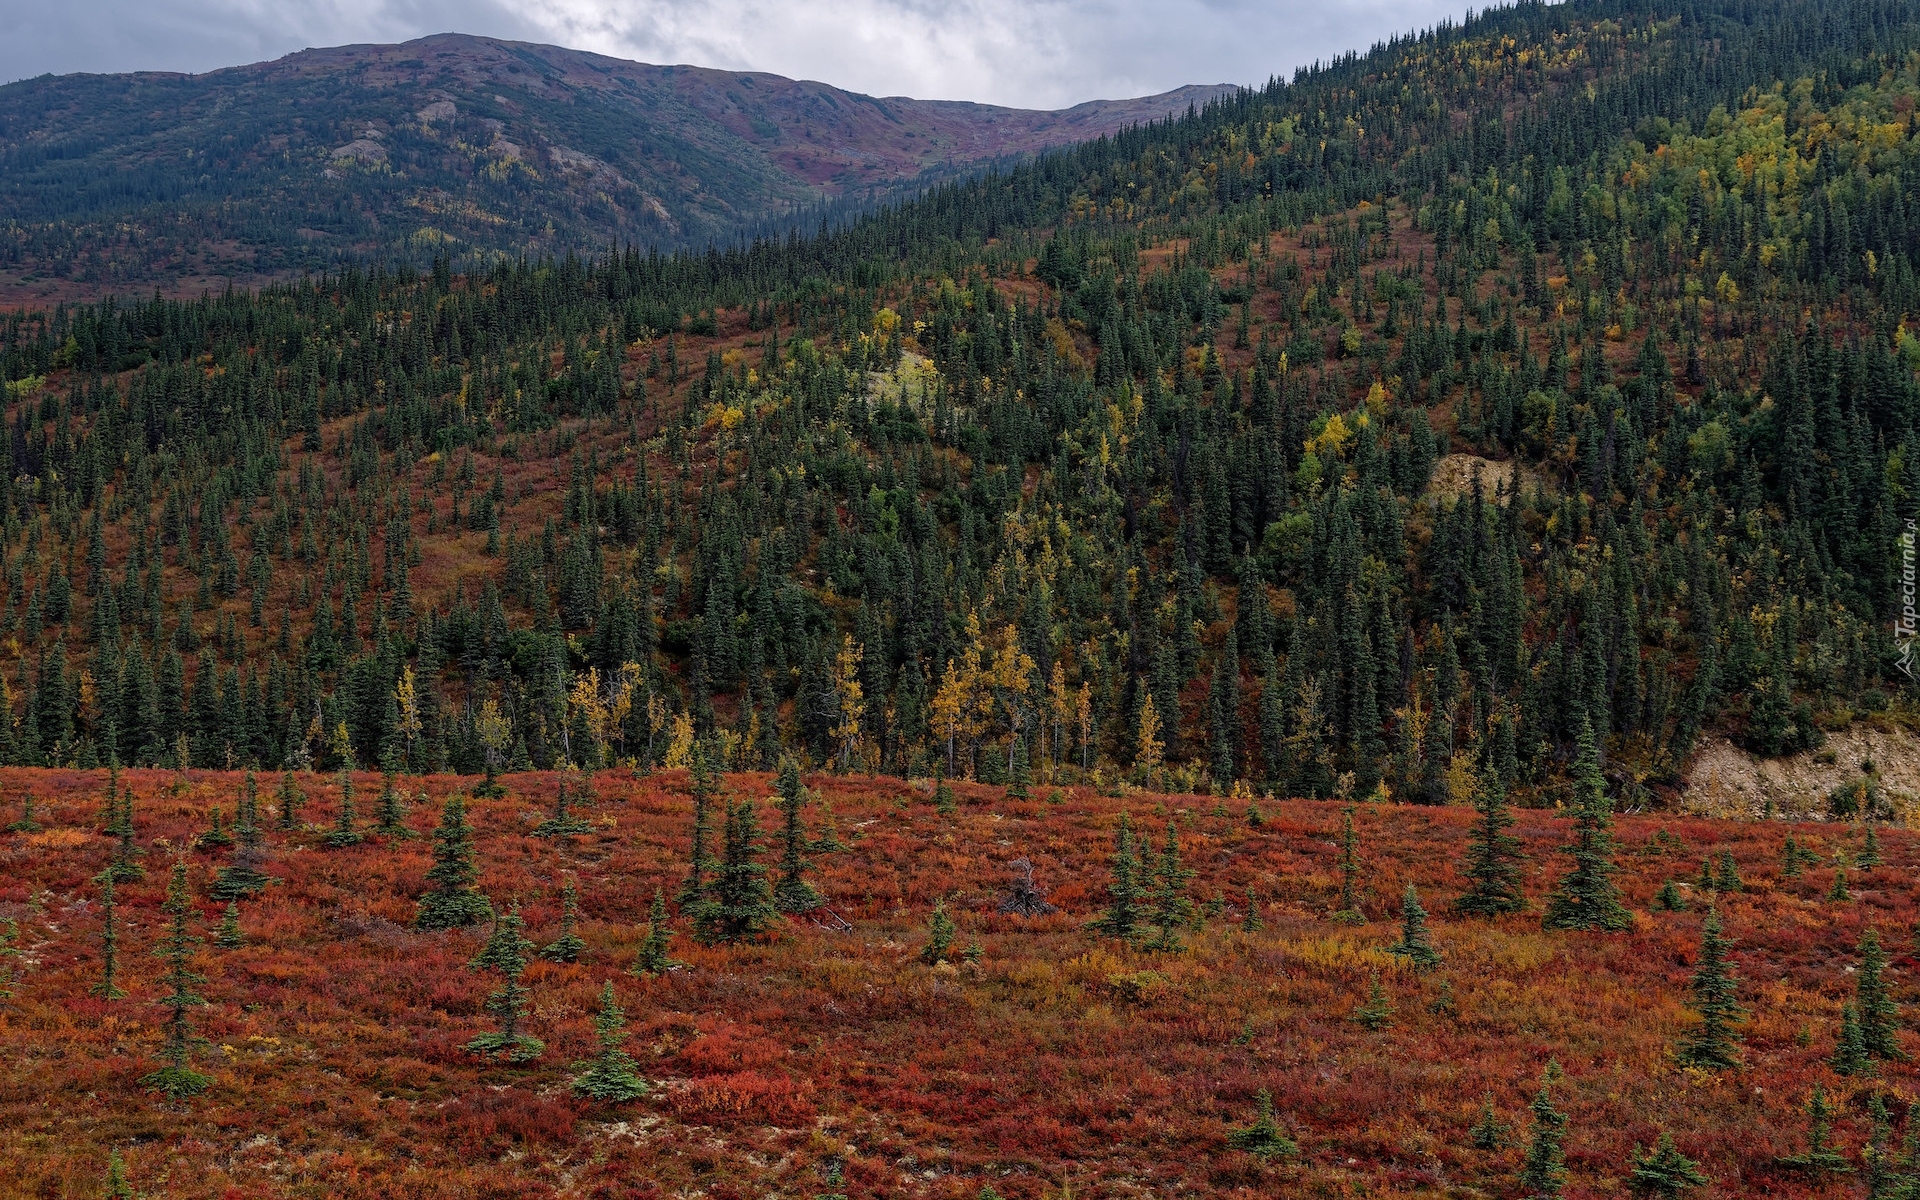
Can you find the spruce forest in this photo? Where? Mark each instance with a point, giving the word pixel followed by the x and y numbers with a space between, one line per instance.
pixel 1179 666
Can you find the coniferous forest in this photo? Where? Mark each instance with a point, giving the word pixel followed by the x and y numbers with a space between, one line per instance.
pixel 1216 624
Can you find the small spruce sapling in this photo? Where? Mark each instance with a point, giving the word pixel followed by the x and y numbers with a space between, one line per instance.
pixel 1544 1171
pixel 567 947
pixel 653 958
pixel 177 1079
pixel 1349 912
pixel 452 902
pixel 108 988
pixel 563 823
pixel 1879 1012
pixel 1820 1157
pixel 229 936
pixel 1714 1044
pixel 738 905
pixel 1264 1139
pixel 1587 897
pixel 611 1076
pixel 940 933
pixel 1416 943
pixel 1122 916
pixel 1251 923
pixel 793 894
pixel 27 822
pixel 506 953
pixel 1669 898
pixel 343 834
pixel 1171 907
pixel 1850 1054
pixel 1493 858
pixel 1488 1132
pixel 1666 1172
pixel 117 1186
pixel 1376 1013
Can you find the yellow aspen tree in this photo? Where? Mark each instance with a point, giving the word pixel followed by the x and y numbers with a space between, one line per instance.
pixel 1012 678
pixel 1149 747
pixel 1083 714
pixel 949 708
pixel 849 700
pixel 680 742
pixel 406 702
pixel 1060 708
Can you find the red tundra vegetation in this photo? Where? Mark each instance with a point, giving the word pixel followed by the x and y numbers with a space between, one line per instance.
pixel 1034 1058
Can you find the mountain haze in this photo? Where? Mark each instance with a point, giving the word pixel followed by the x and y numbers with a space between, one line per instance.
pixel 464 143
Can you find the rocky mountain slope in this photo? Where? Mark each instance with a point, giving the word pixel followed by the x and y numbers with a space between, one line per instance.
pixel 462 142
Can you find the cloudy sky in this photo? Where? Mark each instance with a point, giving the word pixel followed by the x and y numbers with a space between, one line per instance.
pixel 1031 53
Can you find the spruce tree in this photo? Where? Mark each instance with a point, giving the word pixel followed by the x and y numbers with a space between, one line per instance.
pixel 1587 897
pixel 1792 858
pixel 229 936
pixel 108 988
pixel 1820 1157
pixel 1666 1172
pixel 125 865
pixel 1264 1139
pixel 1879 1012
pixel 1669 898
pixel 653 958
pixel 391 810
pixel 940 934
pixel 1122 916
pixel 117 1186
pixel 178 1079
pixel 1416 943
pixel 611 1077
pixel 216 838
pixel 343 834
pixel 27 822
pixel 1171 906
pixel 1252 923
pixel 1883 1182
pixel 1493 858
pixel 1838 893
pixel 567 947
pixel 1376 1012
pixel 1714 1044
pixel 1544 1172
pixel 563 823
pixel 1850 1053
pixel 702 786
pixel 739 903
pixel 292 799
pixel 1488 1132
pixel 1349 911
pixel 506 953
pixel 793 894
pixel 242 877
pixel 451 902
pixel 1726 877
pixel 1869 856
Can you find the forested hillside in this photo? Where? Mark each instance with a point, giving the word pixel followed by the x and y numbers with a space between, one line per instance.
pixel 464 145
pixel 1391 422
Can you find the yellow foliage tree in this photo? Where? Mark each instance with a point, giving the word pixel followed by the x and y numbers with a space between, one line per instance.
pixel 849 700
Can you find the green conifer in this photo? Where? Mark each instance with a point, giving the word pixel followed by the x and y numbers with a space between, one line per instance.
pixel 1666 1172
pixel 1544 1171
pixel 943 801
pixel 292 799
pixel 940 934
pixel 1416 943
pixel 1171 906
pixel 343 834
pixel 1879 1012
pixel 702 787
pixel 1726 876
pixel 1493 858
pixel 506 953
pixel 108 988
pixel 1669 898
pixel 738 905
pixel 1820 1157
pixel 1376 1012
pixel 390 818
pixel 567 947
pixel 216 838
pixel 117 1186
pixel 229 936
pixel 793 894
pixel 611 1077
pixel 563 823
pixel 1251 923
pixel 1122 916
pixel 653 958
pixel 27 823
pixel 452 903
pixel 1714 1044
pixel 178 1079
pixel 1838 893
pixel 125 865
pixel 1264 1139
pixel 1587 897
pixel 1791 861
pixel 1850 1053
pixel 1349 910
pixel 1869 856
pixel 1488 1132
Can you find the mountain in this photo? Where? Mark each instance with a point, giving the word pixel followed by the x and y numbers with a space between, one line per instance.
pixel 465 143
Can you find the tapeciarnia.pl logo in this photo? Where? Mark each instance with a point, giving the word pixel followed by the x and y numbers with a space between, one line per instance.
pixel 1907 626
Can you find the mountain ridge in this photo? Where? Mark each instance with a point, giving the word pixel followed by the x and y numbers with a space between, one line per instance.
pixel 463 143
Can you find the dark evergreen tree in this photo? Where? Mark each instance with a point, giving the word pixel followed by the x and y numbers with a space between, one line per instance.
pixel 1587 897
pixel 1879 1012
pixel 1349 910
pixel 1171 906
pixel 1264 1139
pixel 563 823
pixel 653 958
pixel 108 988
pixel 611 1077
pixel 1488 1131
pixel 1493 858
pixel 1122 917
pixel 568 946
pixel 1416 943
pixel 1544 1172
pixel 451 902
pixel 343 834
pixel 739 904
pixel 506 954
pixel 1850 1054
pixel 177 1079
pixel 1665 1172
pixel 1714 1044
pixel 940 934
pixel 229 936
pixel 1820 1158
pixel 793 894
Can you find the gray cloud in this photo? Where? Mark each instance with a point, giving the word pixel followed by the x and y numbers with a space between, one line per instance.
pixel 1031 53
